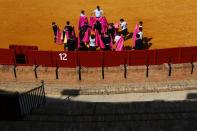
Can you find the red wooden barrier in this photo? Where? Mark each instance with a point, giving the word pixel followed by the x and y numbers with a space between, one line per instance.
pixel 151 55
pixel 189 54
pixel 43 58
pixel 64 59
pixel 7 57
pixel 137 57
pixel 95 59
pixel 114 58
pixel 90 58
pixel 21 49
pixel 171 55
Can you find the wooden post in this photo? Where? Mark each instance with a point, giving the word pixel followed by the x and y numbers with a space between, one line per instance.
pixel 56 72
pixel 170 69
pixel 147 69
pixel 103 72
pixel 35 71
pixel 125 69
pixel 79 71
pixel 192 66
pixel 14 69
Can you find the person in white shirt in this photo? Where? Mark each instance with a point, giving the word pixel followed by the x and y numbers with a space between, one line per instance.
pixel 117 38
pixel 82 13
pixel 140 24
pixel 123 25
pixel 98 12
pixel 140 33
pixel 92 43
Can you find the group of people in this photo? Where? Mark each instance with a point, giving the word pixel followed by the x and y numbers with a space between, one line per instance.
pixel 96 33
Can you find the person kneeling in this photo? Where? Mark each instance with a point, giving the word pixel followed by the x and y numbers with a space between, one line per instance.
pixel 92 43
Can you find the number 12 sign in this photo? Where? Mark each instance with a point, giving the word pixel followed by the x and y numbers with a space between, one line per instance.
pixel 63 56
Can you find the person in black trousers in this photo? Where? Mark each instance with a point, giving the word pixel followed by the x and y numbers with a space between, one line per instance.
pixel 71 43
pixel 111 30
pixel 124 30
pixel 83 30
pixel 138 43
pixel 97 26
pixel 106 40
pixel 55 28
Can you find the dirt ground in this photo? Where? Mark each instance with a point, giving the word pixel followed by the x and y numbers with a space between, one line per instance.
pixel 170 23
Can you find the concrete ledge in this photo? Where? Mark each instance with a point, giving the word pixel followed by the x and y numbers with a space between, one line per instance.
pixel 7 73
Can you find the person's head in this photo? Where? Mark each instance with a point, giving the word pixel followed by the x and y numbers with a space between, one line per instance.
pixel 53 23
pixel 92 36
pixel 82 12
pixel 140 29
pixel 121 20
pixel 140 23
pixel 98 7
pixel 112 24
pixel 106 34
pixel 137 35
pixel 67 22
pixel 118 34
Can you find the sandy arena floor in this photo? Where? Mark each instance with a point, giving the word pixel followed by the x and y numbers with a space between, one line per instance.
pixel 170 23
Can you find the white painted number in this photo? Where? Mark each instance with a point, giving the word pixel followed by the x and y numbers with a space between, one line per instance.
pixel 63 56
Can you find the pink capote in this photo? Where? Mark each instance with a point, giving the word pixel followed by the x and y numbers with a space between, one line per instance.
pixel 111 42
pixel 82 21
pixel 86 37
pixel 98 40
pixel 73 33
pixel 67 34
pixel 58 37
pixel 103 24
pixel 116 26
pixel 92 21
pixel 78 42
pixel 102 20
pixel 120 44
pixel 136 30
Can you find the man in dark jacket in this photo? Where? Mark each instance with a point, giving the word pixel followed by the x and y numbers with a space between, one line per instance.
pixel 71 43
pixel 97 26
pixel 111 30
pixel 55 28
pixel 68 28
pixel 106 40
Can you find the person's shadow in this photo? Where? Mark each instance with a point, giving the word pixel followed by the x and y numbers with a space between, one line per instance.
pixel 70 93
pixel 129 36
pixel 146 42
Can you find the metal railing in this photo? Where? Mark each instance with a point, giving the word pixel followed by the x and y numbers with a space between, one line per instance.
pixel 32 99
